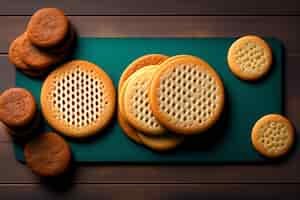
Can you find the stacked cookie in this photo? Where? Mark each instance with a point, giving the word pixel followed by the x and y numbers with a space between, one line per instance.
pixel 47 41
pixel 162 100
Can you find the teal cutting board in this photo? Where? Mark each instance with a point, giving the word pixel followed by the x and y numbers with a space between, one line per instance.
pixel 228 142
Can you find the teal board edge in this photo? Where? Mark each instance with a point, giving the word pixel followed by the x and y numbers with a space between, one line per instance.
pixel 227 142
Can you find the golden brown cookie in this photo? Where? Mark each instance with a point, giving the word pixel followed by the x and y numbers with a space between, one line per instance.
pixel 273 135
pixel 14 53
pixel 163 142
pixel 136 102
pixel 249 57
pixel 186 95
pixel 47 27
pixel 78 99
pixel 17 107
pixel 150 59
pixel 48 155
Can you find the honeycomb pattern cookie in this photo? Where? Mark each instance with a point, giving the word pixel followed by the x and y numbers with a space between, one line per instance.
pixel 78 99
pixel 136 102
pixel 272 135
pixel 249 58
pixel 186 95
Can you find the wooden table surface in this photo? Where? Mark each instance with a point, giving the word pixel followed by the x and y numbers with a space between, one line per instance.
pixel 158 18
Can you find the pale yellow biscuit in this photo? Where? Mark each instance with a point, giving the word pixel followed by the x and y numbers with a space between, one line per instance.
pixel 136 102
pixel 273 135
pixel 78 99
pixel 186 95
pixel 163 142
pixel 249 57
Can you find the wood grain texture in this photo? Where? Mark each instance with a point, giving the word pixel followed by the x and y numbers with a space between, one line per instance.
pixel 285 28
pixel 154 7
pixel 150 191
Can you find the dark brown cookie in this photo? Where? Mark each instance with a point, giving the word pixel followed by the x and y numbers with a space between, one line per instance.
pixel 14 53
pixel 47 27
pixel 17 107
pixel 48 154
pixel 37 58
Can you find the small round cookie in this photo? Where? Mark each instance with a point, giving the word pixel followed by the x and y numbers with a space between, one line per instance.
pixel 47 27
pixel 78 99
pixel 273 135
pixel 249 57
pixel 163 142
pixel 136 102
pixel 149 59
pixel 17 107
pixel 36 58
pixel 48 154
pixel 14 53
pixel 186 95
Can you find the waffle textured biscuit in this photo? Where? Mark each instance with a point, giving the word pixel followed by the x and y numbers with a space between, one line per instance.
pixel 273 135
pixel 48 155
pixel 186 95
pixel 47 27
pixel 149 59
pixel 17 107
pixel 249 58
pixel 78 99
pixel 136 102
pixel 163 142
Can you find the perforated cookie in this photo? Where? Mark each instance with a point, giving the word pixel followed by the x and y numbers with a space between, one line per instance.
pixel 163 142
pixel 272 135
pixel 78 99
pixel 136 102
pixel 186 95
pixel 150 59
pixel 249 57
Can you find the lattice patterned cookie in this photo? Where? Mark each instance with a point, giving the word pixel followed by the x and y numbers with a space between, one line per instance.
pixel 272 135
pixel 249 57
pixel 186 95
pixel 136 102
pixel 78 99
pixel 150 59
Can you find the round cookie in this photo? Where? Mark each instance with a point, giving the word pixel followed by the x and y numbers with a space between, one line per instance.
pixel 273 135
pixel 14 53
pixel 78 99
pixel 47 27
pixel 136 102
pixel 36 58
pixel 17 107
pixel 48 154
pixel 249 57
pixel 163 142
pixel 187 95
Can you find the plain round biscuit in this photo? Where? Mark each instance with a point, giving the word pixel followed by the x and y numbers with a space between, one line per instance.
pixel 47 27
pixel 78 99
pixel 273 135
pixel 149 59
pixel 198 108
pixel 136 102
pixel 254 53
pixel 48 155
pixel 17 107
pixel 14 53
pixel 36 58
pixel 130 131
pixel 163 142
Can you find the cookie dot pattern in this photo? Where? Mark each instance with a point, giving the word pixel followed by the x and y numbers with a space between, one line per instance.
pixel 187 95
pixel 79 97
pixel 272 135
pixel 249 57
pixel 136 101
